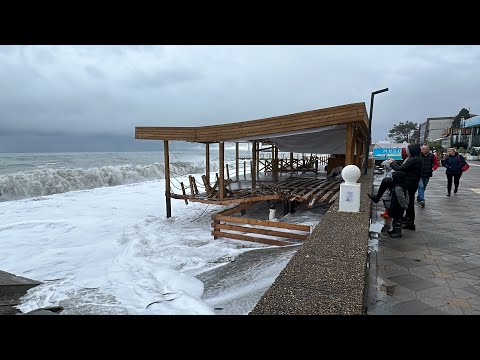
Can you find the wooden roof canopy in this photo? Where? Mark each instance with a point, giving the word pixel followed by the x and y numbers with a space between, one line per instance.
pixel 294 130
pixel 262 128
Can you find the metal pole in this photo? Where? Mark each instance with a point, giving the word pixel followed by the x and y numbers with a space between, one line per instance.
pixel 369 141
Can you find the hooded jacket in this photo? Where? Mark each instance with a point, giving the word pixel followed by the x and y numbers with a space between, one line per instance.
pixel 412 167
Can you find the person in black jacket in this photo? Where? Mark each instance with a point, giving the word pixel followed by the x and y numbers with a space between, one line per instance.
pixel 453 163
pixel 399 202
pixel 412 166
pixel 430 164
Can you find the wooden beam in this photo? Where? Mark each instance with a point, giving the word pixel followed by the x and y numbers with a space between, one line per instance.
pixel 291 161
pixel 168 202
pixel 207 161
pixel 348 145
pixel 221 153
pixel 229 201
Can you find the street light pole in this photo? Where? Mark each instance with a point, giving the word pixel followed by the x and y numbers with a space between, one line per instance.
pixel 369 142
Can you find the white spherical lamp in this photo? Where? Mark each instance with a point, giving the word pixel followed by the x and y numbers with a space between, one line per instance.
pixel 351 174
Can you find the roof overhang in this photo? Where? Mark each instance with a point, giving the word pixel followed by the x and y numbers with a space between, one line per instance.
pixel 309 122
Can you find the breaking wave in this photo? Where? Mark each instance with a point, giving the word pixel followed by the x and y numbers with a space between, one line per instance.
pixel 50 181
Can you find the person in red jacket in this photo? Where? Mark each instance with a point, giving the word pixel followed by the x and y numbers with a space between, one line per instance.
pixel 430 164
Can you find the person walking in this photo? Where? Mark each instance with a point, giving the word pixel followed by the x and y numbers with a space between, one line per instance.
pixel 430 164
pixel 412 166
pixel 454 163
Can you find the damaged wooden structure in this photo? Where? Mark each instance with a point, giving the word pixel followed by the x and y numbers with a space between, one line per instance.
pixel 341 131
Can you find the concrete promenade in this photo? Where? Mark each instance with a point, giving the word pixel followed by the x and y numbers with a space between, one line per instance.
pixel 436 268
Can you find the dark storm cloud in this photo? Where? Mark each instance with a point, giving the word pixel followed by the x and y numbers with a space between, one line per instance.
pixel 82 90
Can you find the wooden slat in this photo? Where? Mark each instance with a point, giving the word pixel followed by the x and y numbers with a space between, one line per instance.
pixel 334 197
pixel 315 189
pixel 275 224
pixel 326 198
pixel 250 238
pixel 288 235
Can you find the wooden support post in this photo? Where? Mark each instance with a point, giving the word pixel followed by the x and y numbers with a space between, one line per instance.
pixel 168 200
pixel 228 173
pixel 254 165
pixel 236 160
pixel 348 145
pixel 208 188
pixel 258 158
pixel 244 169
pixel 207 161
pixel 291 161
pixel 221 148
pixel 357 151
pixel 275 164
pixel 190 180
pixel 184 193
pixel 195 185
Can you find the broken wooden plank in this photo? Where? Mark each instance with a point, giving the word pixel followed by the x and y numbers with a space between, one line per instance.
pixel 275 224
pixel 251 238
pixel 245 229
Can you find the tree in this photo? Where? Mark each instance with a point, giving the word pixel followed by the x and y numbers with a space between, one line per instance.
pixel 463 113
pixel 400 132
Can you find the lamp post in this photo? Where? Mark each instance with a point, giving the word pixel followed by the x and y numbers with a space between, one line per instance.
pixel 369 142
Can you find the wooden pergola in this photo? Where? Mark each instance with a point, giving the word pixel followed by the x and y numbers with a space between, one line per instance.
pixel 350 118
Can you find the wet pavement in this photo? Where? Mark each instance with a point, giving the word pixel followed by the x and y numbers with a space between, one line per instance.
pixel 434 270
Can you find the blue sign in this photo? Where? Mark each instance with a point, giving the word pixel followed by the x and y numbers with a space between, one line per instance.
pixel 387 153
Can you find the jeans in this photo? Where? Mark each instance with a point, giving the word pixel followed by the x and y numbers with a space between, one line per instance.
pixel 422 186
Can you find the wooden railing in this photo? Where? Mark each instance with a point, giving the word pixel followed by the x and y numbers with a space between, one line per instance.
pixel 241 228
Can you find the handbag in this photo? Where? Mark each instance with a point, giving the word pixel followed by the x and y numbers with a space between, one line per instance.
pixel 465 166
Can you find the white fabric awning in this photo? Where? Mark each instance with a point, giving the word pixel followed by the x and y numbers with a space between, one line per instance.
pixel 325 140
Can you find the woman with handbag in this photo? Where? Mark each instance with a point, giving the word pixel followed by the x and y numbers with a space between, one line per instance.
pixel 455 164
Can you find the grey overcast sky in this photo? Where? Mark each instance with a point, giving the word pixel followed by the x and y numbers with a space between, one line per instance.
pixel 108 90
